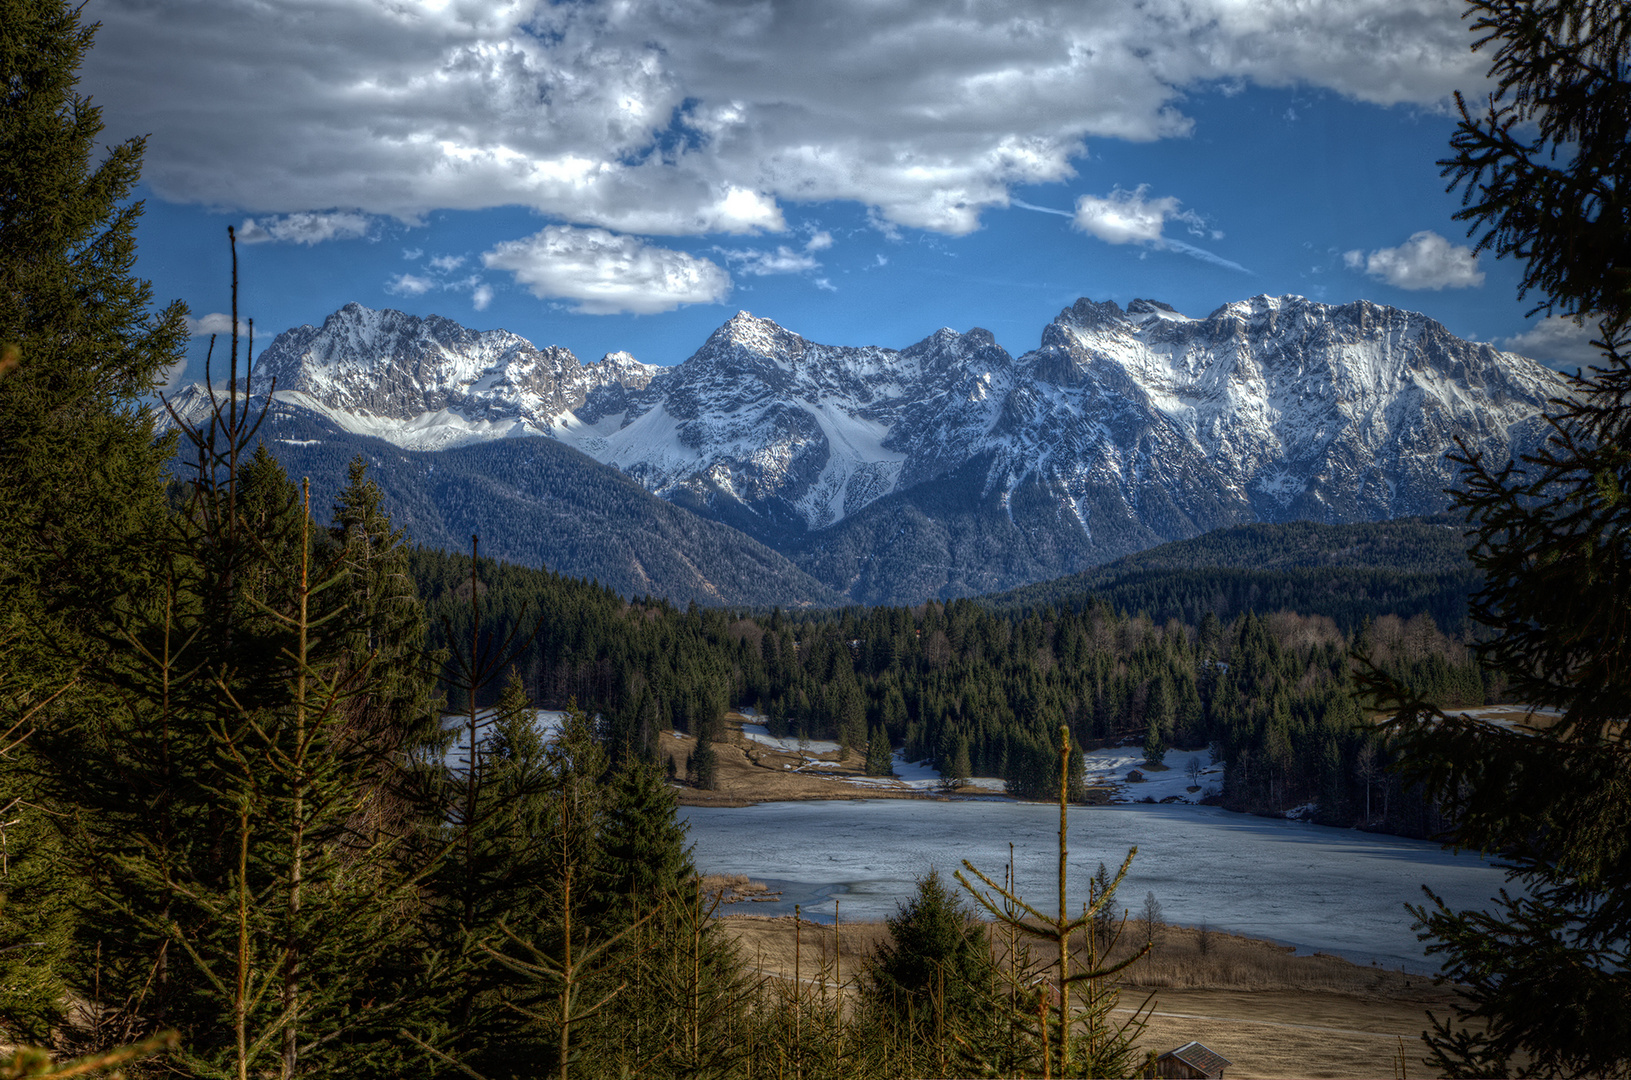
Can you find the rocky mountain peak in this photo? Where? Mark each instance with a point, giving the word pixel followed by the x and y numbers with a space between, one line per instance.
pixel 745 334
pixel 1124 428
pixel 1087 314
pixel 1144 309
pixel 946 351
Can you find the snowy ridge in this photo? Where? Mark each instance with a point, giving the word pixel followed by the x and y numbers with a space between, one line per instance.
pixel 428 384
pixel 1124 428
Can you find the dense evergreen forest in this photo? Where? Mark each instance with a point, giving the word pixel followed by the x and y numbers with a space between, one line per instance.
pixel 1270 695
pixel 1350 573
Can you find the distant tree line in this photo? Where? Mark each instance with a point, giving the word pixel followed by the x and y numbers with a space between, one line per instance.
pixel 978 691
pixel 1349 573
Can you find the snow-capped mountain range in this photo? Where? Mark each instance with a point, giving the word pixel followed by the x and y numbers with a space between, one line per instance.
pixel 1123 429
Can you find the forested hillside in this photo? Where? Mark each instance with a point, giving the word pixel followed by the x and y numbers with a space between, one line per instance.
pixel 538 503
pixel 1349 573
pixel 1270 695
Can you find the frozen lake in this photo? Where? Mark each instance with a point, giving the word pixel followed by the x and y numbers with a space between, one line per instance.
pixel 1332 890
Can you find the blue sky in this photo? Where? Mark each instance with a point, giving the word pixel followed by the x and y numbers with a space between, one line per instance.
pixel 626 175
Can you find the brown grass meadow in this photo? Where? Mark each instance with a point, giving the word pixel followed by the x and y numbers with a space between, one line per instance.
pixel 1271 1012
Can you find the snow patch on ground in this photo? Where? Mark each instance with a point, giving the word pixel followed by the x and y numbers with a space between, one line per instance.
pixel 923 776
pixel 1111 765
pixel 1511 717
pixel 761 735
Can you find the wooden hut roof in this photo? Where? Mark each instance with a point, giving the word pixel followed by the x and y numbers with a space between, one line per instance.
pixel 1200 1058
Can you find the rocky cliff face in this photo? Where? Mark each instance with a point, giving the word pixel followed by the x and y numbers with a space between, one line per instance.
pixel 1123 429
pixel 1267 409
pixel 429 384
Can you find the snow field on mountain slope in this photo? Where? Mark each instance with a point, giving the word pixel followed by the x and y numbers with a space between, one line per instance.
pixel 651 439
pixel 440 430
pixel 852 442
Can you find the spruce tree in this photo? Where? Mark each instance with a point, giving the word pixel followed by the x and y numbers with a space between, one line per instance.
pixel 79 346
pixel 701 765
pixel 879 758
pixel 77 459
pixel 683 988
pixel 1155 743
pixel 36 909
pixel 934 978
pixel 1542 161
pixel 497 857
pixel 1546 175
pixel 958 767
pixel 642 851
pixel 387 627
pixel 558 961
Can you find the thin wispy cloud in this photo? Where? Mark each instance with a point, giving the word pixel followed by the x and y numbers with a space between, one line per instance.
pixel 1127 217
pixel 1023 205
pixel 1203 255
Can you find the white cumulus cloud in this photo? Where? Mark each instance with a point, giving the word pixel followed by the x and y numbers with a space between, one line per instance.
pixel 1124 217
pixel 216 322
pixel 303 228
pixel 1558 341
pixel 1425 261
pixel 681 117
pixel 602 273
pixel 409 285
pixel 1131 217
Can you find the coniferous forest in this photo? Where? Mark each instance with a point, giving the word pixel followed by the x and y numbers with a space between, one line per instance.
pixel 1269 695
pixel 273 800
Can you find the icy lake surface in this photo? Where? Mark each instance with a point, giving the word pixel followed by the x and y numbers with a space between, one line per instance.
pixel 1332 890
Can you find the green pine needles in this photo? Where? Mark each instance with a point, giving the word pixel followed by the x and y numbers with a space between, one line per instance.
pixel 1545 170
pixel 1074 1029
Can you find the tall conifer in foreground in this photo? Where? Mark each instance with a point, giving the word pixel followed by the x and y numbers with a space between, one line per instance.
pixel 76 456
pixel 1547 969
pixel 246 890
pixel 79 345
pixel 1076 1033
pixel 495 860
pixel 934 977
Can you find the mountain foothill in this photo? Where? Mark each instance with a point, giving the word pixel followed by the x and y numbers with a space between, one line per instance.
pixel 769 469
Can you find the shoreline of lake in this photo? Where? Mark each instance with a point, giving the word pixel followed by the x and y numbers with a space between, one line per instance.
pixel 1316 888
